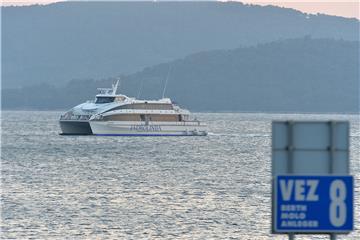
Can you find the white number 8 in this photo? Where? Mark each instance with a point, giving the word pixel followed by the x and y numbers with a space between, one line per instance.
pixel 337 205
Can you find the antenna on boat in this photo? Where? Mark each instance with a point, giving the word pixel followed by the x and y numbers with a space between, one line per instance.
pixel 140 89
pixel 166 80
pixel 115 85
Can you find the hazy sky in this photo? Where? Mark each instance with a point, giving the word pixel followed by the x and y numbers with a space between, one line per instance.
pixel 347 8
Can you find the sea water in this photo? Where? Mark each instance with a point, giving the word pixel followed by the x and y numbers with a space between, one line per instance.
pixel 81 187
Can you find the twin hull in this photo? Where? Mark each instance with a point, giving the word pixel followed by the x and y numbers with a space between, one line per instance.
pixel 116 128
pixel 75 127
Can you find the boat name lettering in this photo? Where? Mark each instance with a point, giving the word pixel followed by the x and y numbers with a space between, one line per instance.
pixel 148 128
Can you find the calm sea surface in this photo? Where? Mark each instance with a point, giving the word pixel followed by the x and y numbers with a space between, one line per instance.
pixel 214 187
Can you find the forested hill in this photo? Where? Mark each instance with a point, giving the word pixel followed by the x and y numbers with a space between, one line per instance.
pixel 298 75
pixel 63 41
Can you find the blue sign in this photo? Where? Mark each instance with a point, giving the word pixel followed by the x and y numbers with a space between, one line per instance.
pixel 313 204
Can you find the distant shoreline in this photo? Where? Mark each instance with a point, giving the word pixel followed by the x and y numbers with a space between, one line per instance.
pixel 194 111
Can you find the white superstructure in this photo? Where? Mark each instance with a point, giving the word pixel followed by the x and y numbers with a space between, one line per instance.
pixel 147 118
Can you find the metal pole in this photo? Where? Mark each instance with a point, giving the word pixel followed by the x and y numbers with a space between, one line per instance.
pixel 332 146
pixel 290 165
pixel 290 148
pixel 291 236
pixel 332 157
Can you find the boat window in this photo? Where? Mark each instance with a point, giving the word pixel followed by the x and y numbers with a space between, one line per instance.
pixel 142 117
pixel 157 106
pixel 104 99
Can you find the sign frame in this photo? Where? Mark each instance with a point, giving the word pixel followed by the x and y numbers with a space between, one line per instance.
pixel 299 140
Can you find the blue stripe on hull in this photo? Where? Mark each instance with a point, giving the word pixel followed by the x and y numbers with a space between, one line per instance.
pixel 148 135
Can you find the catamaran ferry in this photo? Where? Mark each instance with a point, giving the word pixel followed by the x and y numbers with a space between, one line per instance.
pixel 114 114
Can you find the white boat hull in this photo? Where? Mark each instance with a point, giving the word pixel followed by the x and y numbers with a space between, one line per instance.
pixel 120 128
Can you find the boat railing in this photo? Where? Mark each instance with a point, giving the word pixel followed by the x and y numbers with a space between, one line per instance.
pixel 191 121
